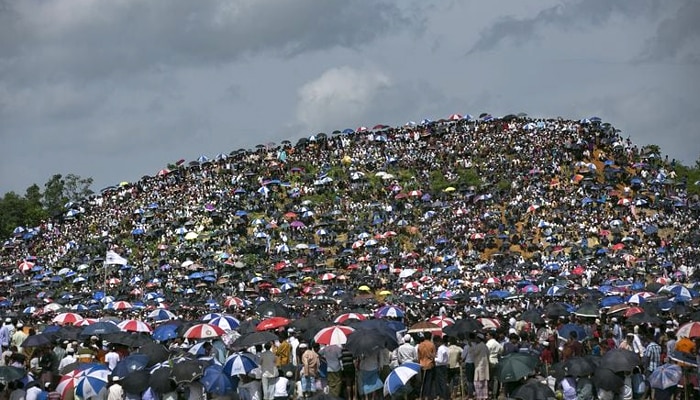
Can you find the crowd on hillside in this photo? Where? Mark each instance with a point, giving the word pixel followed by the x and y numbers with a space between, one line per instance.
pixel 556 238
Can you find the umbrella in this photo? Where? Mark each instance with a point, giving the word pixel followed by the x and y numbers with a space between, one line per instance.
pixel 689 330
pixel 342 318
pixel 425 326
pixel 533 316
pixel 133 325
pixel 67 318
pixel 161 380
pixel 185 371
pixel 130 363
pixel 136 382
pixel 620 360
pixel 225 322
pixel 216 381
pixel 39 340
pixel 253 339
pixel 365 342
pixel 9 374
pixel 442 321
pixel 337 334
pixel 91 382
pixel 462 326
pixel 165 332
pixel 588 310
pixel 272 323
pixel 566 331
pixel 555 310
pixel 161 314
pixel 155 352
pixel 399 376
pixel 665 376
pixel 100 328
pixel 579 366
pixel 239 364
pixel 203 331
pixel 69 332
pixel 533 391
pixel 128 339
pixel 271 309
pixel 606 379
pixel 389 311
pixel 515 366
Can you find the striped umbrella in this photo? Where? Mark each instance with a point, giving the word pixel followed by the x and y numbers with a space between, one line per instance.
pixel 690 330
pixel 442 321
pixel 91 382
pixel 118 305
pixel 337 335
pixel 239 364
pixel 203 331
pixel 399 376
pixel 161 314
pixel 225 322
pixel 67 318
pixel 134 325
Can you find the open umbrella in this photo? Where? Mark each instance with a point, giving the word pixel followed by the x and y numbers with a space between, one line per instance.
pixel 342 318
pixel 271 309
pixel 515 366
pixel 253 339
pixel 366 342
pixel 9 374
pixel 128 339
pixel 91 382
pixel 533 316
pixel 161 379
pixel 155 352
pixel 134 325
pixel 203 331
pixel 399 376
pixel 689 330
pixel 533 391
pixel 579 366
pixel 99 328
pixel 185 371
pixel 165 332
pixel 225 322
pixel 130 363
pixel 425 326
pixel 620 360
pixel 272 323
pixel 239 364
pixel 462 327
pixel 136 381
pixel 337 334
pixel 39 340
pixel 665 376
pixel 216 381
pixel 606 379
pixel 566 330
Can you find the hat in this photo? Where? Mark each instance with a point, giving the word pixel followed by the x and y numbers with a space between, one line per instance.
pixel 669 322
pixel 8 319
pixel 480 336
pixel 20 325
pixel 289 374
pixel 94 338
pixel 407 338
pixel 303 345
pixel 115 378
pixel 614 319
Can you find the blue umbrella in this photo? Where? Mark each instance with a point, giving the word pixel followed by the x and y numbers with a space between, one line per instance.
pixel 565 331
pixel 226 322
pixel 91 382
pixel 131 363
pixel 216 381
pixel 239 364
pixel 665 376
pixel 100 328
pixel 165 332
pixel 399 376
pixel 610 301
pixel 389 311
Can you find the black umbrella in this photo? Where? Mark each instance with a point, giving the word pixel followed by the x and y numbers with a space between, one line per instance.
pixel 268 309
pixel 620 360
pixel 39 340
pixel 253 339
pixel 161 380
pixel 136 382
pixel 533 391
pixel 579 366
pixel 100 328
pixel 606 379
pixel 9 374
pixel 590 310
pixel 363 342
pixel 187 371
pixel 555 310
pixel 533 316
pixel 644 318
pixel 68 332
pixel 156 353
pixel 248 326
pixel 515 366
pixel 130 339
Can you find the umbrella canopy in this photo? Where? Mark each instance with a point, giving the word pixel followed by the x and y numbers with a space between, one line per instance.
pixel 165 332
pixel 136 381
pixel 155 352
pixel 99 328
pixel 605 378
pixel 185 371
pixel 91 382
pixel 462 327
pixel 9 374
pixel 225 322
pixel 399 376
pixel 425 326
pixel 533 391
pixel 271 309
pixel 567 330
pixel 134 325
pixel 368 341
pixel 39 340
pixel 239 364
pixel 579 366
pixel 389 311
pixel 689 330
pixel 337 334
pixel 161 379
pixel 342 318
pixel 130 363
pixel 128 339
pixel 203 331
pixel 272 323
pixel 620 360
pixel 216 381
pixel 253 339
pixel 67 318
pixel 516 366
pixel 665 376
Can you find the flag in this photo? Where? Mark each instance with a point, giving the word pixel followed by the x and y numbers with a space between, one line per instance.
pixel 113 258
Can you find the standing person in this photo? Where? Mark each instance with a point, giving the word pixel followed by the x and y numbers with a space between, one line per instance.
pixel 5 336
pixel 441 362
pixel 112 357
pixel 283 385
pixel 310 363
pixel 482 367
pixel 405 352
pixel 468 359
pixel 283 352
pixel 454 371
pixel 426 358
pixel 268 365
pixel 572 347
pixel 332 354
pixel 652 355
pixel 495 351
pixel 370 383
pixel 19 337
pixel 349 391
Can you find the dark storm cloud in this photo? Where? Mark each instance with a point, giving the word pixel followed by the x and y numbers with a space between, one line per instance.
pixel 569 15
pixel 677 37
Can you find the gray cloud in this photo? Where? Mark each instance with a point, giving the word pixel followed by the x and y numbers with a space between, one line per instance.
pixel 677 37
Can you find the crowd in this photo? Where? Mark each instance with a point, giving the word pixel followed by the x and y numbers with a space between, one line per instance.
pixel 472 257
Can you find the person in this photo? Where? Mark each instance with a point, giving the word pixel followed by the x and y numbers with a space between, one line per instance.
pixel 426 358
pixel 283 352
pixel 332 354
pixel 482 367
pixel 19 337
pixel 572 347
pixel 468 360
pixel 34 390
pixel 249 387
pixel 652 355
pixel 68 359
pixel 454 371
pixel 495 351
pixel 369 381
pixel 283 385
pixel 568 387
pixel 310 363
pixel 405 352
pixel 584 388
pixel 349 391
pixel 616 332
pixel 112 357
pixel 268 366
pixel 5 335
pixel 441 364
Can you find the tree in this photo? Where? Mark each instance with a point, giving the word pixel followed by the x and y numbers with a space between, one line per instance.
pixel 76 188
pixel 54 195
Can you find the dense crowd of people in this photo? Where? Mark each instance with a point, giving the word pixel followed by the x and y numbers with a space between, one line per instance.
pixel 456 249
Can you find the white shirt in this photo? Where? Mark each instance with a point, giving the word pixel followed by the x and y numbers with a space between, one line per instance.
pixel 441 356
pixel 281 389
pixel 112 358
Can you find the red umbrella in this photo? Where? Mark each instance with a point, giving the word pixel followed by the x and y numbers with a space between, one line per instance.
pixel 272 323
pixel 67 318
pixel 348 316
pixel 337 334
pixel 203 331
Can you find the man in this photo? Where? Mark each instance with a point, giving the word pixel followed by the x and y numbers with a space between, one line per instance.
pixel 572 347
pixel 332 354
pixel 283 352
pixel 19 337
pixel 115 391
pixel 482 365
pixel 112 357
pixel 268 365
pixel 5 336
pixel 68 359
pixel 310 362
pixel 468 359
pixel 495 351
pixel 426 358
pixel 405 352
pixel 652 355
pixel 441 361
pixel 454 372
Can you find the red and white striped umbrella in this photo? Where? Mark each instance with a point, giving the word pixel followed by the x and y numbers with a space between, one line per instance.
pixel 134 325
pixel 25 266
pixel 114 281
pixel 274 290
pixel 327 276
pixel 489 323
pixel 51 307
pixel 118 305
pixel 86 322
pixel 203 331
pixel 236 302
pixel 411 285
pixel 67 318
pixel 689 330
pixel 442 321
pixel 333 335
pixel 342 318
pixel 492 280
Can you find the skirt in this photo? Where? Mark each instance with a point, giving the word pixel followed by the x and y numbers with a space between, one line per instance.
pixel 369 382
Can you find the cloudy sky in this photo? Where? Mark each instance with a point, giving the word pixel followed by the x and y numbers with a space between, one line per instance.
pixel 116 89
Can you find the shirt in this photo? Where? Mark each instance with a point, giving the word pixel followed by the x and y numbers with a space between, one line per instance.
pixel 332 354
pixel 112 358
pixel 406 352
pixel 310 362
pixel 495 350
pixel 441 356
pixel 653 355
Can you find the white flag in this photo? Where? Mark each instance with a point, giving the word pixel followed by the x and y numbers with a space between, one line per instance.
pixel 114 258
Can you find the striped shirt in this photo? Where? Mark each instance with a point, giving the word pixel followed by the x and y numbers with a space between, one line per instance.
pixel 653 355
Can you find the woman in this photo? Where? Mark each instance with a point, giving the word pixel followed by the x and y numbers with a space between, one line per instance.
pixel 370 383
